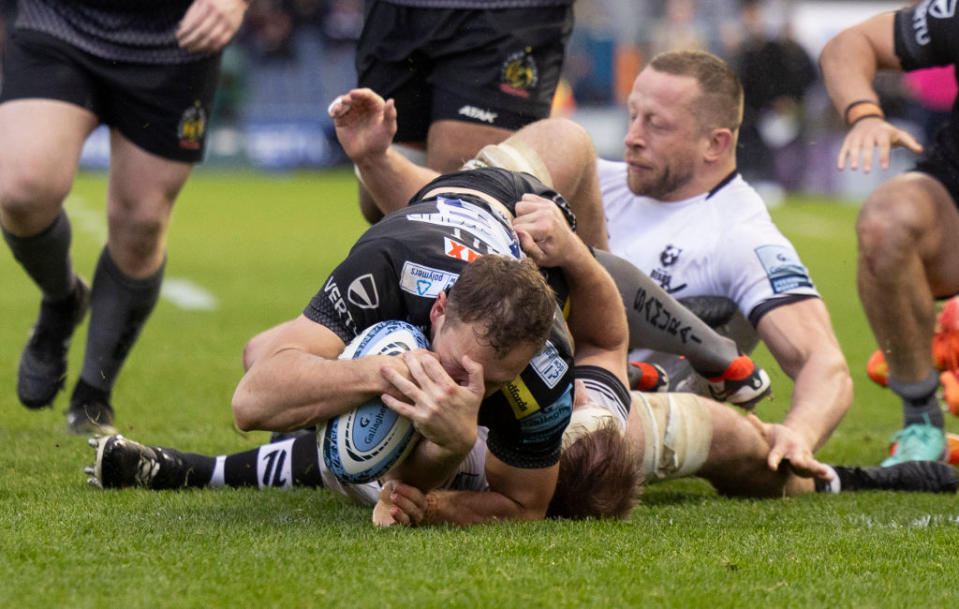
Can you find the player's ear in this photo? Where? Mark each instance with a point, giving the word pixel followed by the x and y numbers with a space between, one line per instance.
pixel 438 310
pixel 720 142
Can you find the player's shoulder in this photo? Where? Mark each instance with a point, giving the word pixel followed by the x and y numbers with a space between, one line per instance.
pixel 735 204
pixel 738 195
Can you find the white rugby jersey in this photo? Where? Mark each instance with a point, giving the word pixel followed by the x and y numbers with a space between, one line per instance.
pixel 720 243
pixel 469 476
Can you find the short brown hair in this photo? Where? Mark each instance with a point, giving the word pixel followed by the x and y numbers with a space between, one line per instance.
pixel 721 101
pixel 510 299
pixel 598 476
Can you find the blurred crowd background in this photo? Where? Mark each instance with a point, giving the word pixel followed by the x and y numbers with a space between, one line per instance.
pixel 292 57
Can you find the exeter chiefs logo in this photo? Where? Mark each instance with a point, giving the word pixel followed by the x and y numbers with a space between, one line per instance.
pixel 518 73
pixel 192 127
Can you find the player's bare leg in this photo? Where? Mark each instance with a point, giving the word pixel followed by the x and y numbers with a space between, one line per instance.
pixel 737 459
pixel 37 168
pixel 737 466
pixel 449 144
pixel 906 230
pixel 129 274
pixel 570 157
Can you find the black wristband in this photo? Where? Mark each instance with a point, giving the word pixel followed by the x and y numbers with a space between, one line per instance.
pixel 845 113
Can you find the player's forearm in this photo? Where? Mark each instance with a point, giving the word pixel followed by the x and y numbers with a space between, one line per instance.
pixel 292 390
pixel 469 507
pixel 821 397
pixel 428 466
pixel 392 179
pixel 850 60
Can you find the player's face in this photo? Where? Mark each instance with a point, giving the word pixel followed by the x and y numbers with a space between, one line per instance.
pixel 664 142
pixel 452 341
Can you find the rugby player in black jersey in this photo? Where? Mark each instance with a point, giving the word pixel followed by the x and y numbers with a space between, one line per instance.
pixel 148 70
pixel 400 269
pixel 908 224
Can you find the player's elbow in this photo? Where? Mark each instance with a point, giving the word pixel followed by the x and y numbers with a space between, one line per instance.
pixel 531 513
pixel 246 415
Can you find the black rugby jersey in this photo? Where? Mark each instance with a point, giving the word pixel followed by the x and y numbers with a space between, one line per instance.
pixel 135 31
pixel 397 269
pixel 479 4
pixel 927 35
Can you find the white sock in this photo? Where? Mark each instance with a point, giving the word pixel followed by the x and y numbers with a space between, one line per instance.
pixel 833 486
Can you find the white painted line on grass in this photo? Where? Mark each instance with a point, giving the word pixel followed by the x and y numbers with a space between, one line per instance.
pixel 187 295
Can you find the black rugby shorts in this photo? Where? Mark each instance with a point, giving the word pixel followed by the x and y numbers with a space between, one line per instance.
pixel 164 109
pixel 942 166
pixel 494 67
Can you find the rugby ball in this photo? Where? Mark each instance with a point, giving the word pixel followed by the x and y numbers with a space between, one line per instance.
pixel 367 442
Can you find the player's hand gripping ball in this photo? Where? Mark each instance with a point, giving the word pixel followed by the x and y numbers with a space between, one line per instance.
pixel 367 442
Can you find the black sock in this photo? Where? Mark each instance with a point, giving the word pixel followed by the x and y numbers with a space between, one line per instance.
pixel 119 306
pixel 919 402
pixel 46 257
pixel 84 393
pixel 284 464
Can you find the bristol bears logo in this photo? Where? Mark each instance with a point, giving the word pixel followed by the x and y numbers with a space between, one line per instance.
pixel 669 255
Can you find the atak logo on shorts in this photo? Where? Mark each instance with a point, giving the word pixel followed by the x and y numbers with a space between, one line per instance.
pixel 192 126
pixel 478 114
pixel 362 292
pixel 518 73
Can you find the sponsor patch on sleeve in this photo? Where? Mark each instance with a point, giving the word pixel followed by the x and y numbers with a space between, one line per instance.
pixel 549 365
pixel 425 281
pixel 547 424
pixel 520 398
pixel 783 268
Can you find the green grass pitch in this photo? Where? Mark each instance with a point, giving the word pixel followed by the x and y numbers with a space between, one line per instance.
pixel 261 245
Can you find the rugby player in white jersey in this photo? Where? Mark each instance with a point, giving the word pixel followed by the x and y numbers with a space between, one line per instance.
pixel 678 209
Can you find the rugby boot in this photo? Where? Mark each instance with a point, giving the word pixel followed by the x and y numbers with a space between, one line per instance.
pixel 743 384
pixel 917 442
pixel 90 411
pixel 124 463
pixel 43 364
pixel 648 378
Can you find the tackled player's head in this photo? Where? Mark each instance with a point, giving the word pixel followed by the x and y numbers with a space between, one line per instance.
pixel 499 313
pixel 507 300
pixel 598 474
